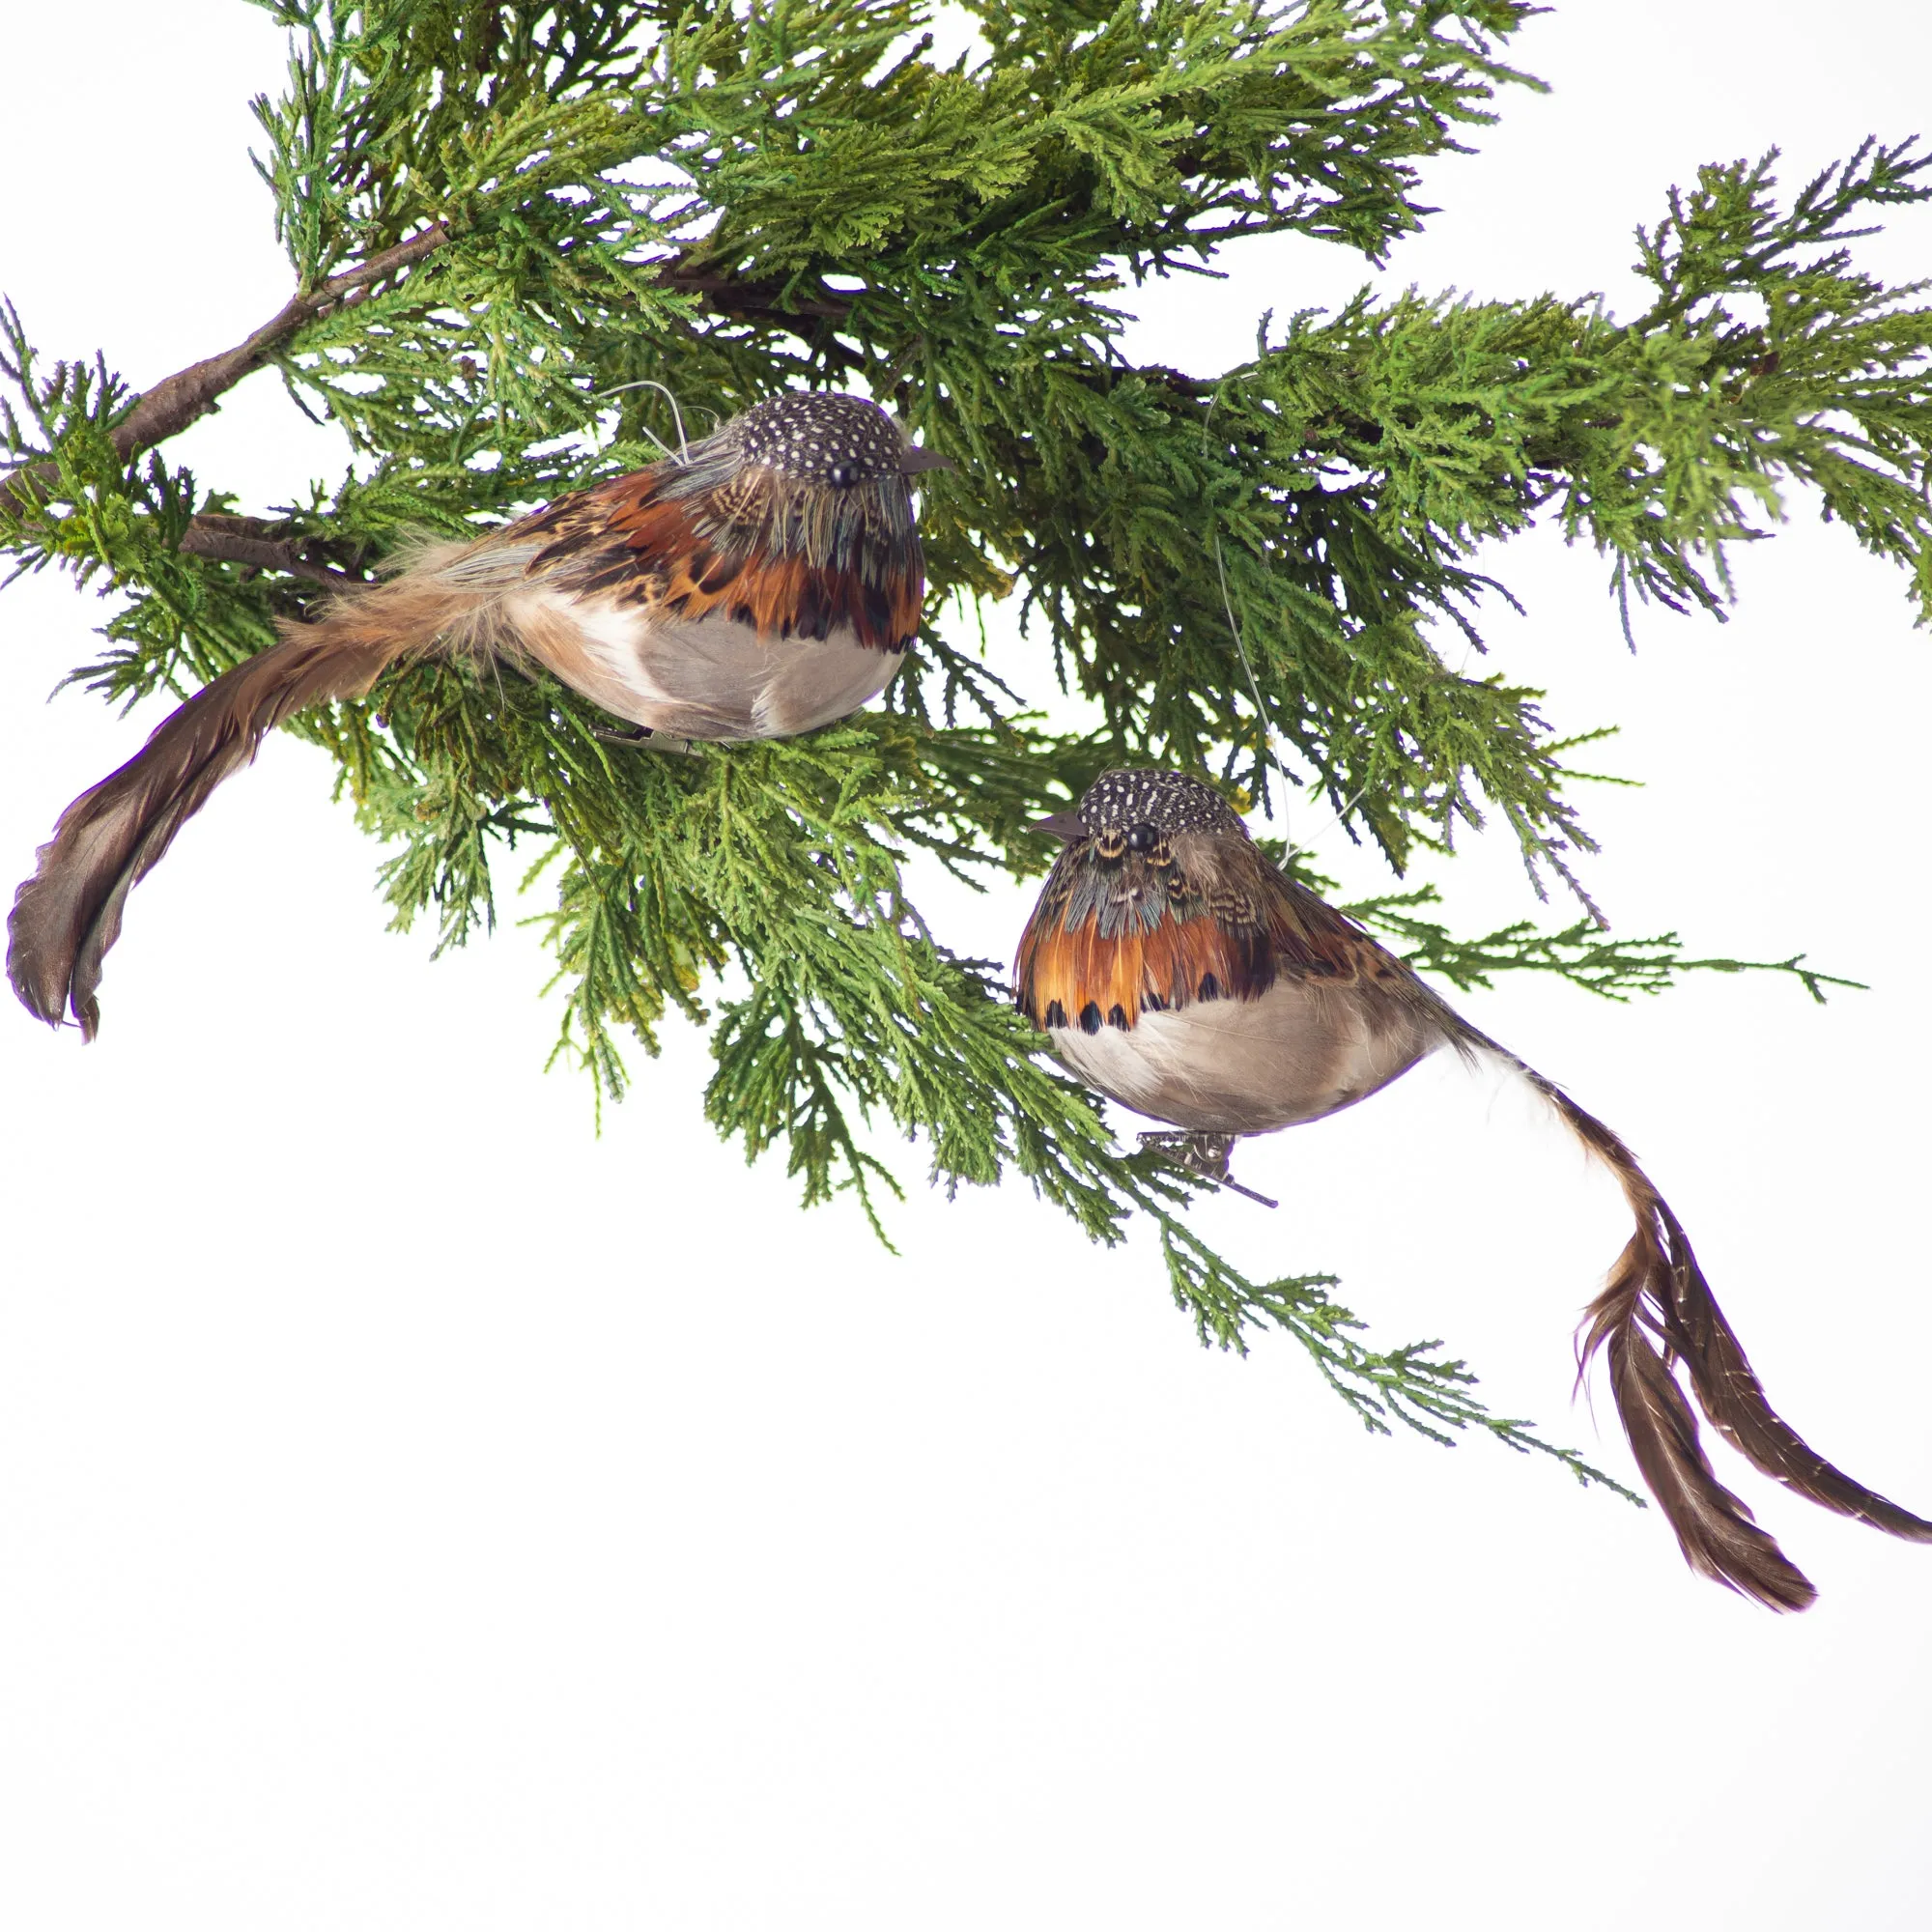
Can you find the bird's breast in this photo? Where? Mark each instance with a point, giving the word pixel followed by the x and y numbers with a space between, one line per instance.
pixel 1302 1049
pixel 711 678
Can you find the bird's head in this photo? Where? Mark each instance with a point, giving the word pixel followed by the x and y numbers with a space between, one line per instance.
pixel 1156 903
pixel 825 442
pixel 797 516
pixel 821 478
pixel 1141 811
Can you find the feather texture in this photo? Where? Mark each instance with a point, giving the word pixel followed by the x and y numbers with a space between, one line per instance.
pixel 68 915
pixel 1177 971
pixel 1659 1288
pixel 763 583
pixel 638 540
pixel 1199 917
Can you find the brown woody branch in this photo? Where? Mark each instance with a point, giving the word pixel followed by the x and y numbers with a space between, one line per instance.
pixel 734 297
pixel 179 400
pixel 730 295
pixel 188 394
pixel 242 540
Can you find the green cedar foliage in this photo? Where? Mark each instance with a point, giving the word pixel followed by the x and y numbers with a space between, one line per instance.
pixel 509 222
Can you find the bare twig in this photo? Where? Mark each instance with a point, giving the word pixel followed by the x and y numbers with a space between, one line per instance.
pixel 239 540
pixel 171 404
pixel 188 394
pixel 730 295
pixel 191 393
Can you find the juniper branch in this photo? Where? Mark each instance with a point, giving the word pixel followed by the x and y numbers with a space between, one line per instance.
pixel 1581 954
pixel 733 201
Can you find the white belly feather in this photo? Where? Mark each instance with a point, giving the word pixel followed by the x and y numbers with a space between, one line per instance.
pixel 1301 1050
pixel 712 677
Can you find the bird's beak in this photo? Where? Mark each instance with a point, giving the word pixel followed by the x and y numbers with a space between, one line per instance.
pixel 916 459
pixel 1063 825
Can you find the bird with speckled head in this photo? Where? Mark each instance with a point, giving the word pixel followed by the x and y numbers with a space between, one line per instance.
pixel 1176 970
pixel 761 583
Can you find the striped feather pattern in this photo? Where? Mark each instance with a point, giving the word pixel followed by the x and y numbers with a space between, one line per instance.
pixel 794 518
pixel 1077 975
pixel 637 540
pixel 1117 935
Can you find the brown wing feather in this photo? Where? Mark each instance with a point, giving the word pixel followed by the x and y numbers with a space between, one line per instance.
pixel 1123 977
pixel 1658 1288
pixel 1229 924
pixel 627 538
pixel 1166 949
pixel 67 916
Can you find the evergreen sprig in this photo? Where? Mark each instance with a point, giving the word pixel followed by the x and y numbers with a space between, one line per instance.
pixel 508 223
pixel 1411 1385
pixel 1581 954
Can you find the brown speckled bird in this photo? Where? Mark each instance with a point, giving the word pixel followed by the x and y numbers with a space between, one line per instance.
pixel 1178 972
pixel 764 583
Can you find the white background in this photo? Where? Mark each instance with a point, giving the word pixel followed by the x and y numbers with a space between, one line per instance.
pixel 415 1511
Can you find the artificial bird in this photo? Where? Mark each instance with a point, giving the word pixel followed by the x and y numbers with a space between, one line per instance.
pixel 1179 972
pixel 761 583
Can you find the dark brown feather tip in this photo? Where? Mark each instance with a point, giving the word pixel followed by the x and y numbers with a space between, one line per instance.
pixel 636 539
pixel 1715 1530
pixel 1658 1288
pixel 68 915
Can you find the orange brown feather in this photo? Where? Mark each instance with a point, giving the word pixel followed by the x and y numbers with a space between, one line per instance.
pixel 1166 950
pixel 631 540
pixel 1104 939
pixel 1179 961
pixel 1225 924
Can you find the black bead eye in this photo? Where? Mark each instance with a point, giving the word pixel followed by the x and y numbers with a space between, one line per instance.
pixel 1142 838
pixel 842 475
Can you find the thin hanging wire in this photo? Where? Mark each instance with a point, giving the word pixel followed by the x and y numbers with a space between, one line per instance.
pixel 682 454
pixel 1254 686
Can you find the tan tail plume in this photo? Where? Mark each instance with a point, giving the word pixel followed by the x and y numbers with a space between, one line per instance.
pixel 1657 1294
pixel 68 915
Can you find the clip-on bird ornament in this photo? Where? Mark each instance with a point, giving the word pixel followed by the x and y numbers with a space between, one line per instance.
pixel 1178 972
pixel 763 582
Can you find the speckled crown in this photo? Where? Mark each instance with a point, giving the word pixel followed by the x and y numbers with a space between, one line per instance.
pixel 810 437
pixel 1168 801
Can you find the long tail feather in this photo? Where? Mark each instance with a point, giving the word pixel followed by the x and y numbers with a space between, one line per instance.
pixel 68 915
pixel 1658 1289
